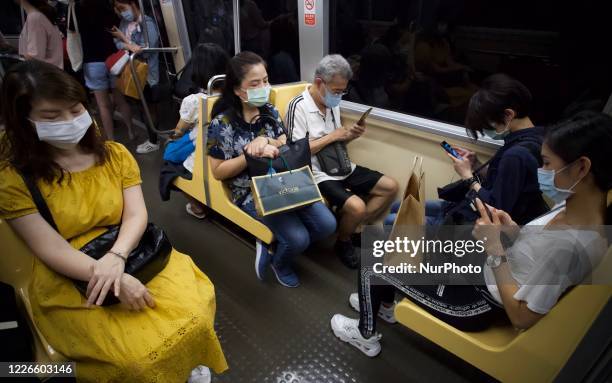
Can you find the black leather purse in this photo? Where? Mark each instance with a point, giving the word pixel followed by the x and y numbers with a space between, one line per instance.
pixel 296 154
pixel 144 262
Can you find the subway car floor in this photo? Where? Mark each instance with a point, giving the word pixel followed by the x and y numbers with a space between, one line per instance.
pixel 270 333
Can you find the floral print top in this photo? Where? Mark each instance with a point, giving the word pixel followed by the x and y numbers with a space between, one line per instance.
pixel 227 137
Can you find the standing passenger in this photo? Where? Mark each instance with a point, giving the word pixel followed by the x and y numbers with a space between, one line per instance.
pixel 40 39
pixel 160 331
pixel 245 96
pixel 130 36
pixel 95 18
pixel 362 195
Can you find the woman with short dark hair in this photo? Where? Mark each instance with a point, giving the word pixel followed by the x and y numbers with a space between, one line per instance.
pixel 500 111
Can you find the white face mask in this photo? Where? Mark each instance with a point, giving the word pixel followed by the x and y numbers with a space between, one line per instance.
pixel 64 134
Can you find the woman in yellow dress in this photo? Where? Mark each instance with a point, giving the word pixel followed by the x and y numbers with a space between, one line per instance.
pixel 159 332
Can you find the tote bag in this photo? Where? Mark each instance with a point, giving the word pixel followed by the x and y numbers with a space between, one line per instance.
pixel 74 47
pixel 126 84
pixel 410 220
pixel 285 191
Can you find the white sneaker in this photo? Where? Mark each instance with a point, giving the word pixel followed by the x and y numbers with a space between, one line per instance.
pixel 385 313
pixel 347 330
pixel 190 211
pixel 146 147
pixel 200 374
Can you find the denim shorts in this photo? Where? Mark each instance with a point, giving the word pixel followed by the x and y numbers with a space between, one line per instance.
pixel 97 76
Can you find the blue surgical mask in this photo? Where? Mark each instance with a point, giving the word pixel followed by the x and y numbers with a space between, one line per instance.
pixel 258 97
pixel 546 179
pixel 330 99
pixel 127 15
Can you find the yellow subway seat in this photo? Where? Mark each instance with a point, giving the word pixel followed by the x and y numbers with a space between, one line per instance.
pixel 510 355
pixel 16 264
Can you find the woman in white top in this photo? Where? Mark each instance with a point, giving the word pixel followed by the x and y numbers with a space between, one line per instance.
pixel 549 255
pixel 208 60
pixel 40 39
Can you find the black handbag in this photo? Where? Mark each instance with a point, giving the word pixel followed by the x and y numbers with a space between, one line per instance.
pixel 150 256
pixel 296 154
pixel 334 159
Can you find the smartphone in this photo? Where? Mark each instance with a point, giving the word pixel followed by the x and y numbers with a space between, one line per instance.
pixel 364 116
pixel 449 149
pixel 475 208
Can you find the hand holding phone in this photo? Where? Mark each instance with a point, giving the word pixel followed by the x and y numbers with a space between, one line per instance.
pixel 449 149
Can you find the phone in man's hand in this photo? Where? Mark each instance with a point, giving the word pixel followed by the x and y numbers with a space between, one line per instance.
pixel 364 116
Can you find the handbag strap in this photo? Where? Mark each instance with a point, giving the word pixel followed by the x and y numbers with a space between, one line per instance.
pixel 271 170
pixel 71 14
pixel 38 199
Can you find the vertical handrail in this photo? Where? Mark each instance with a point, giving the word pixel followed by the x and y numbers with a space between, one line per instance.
pixel 140 87
pixel 143 25
pixel 236 8
pixel 168 73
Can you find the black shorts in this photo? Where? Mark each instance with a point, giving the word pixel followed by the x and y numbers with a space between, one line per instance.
pixel 360 183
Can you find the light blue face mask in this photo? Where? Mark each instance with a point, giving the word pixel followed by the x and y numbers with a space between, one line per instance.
pixel 494 135
pixel 546 179
pixel 127 15
pixel 258 97
pixel 330 99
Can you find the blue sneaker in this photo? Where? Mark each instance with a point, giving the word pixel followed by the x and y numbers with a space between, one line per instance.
pixel 285 275
pixel 262 259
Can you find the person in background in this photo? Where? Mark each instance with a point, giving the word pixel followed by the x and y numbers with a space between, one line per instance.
pixel 130 36
pixel 40 38
pixel 500 110
pixel 95 18
pixel 550 254
pixel 230 134
pixel 362 195
pixel 208 60
pixel 158 332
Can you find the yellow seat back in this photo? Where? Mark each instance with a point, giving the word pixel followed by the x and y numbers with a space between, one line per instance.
pixel 215 194
pixel 280 96
pixel 16 265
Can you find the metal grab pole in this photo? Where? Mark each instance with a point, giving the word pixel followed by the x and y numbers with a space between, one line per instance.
pixel 143 25
pixel 236 9
pixel 212 81
pixel 140 87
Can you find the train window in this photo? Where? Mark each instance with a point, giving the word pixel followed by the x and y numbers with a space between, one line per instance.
pixel 270 29
pixel 10 18
pixel 427 58
pixel 210 21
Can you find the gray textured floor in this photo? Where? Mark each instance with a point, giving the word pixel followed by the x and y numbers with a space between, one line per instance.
pixel 273 334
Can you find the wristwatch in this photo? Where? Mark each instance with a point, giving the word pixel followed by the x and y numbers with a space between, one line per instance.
pixel 494 261
pixel 472 180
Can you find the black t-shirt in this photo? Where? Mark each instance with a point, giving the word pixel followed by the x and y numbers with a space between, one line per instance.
pixel 95 18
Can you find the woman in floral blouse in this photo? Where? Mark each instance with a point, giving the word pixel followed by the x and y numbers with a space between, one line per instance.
pixel 245 96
